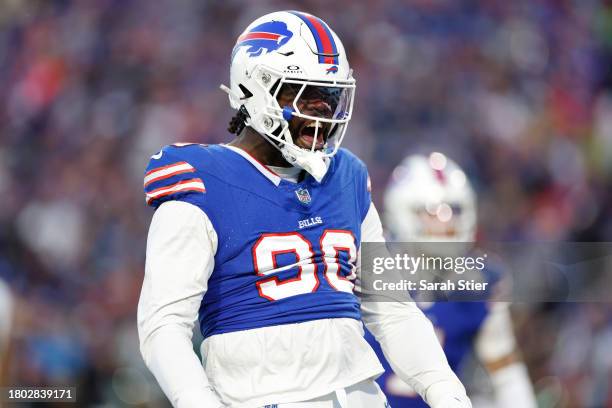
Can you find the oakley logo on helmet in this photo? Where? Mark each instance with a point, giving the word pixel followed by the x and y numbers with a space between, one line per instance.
pixel 267 36
pixel 293 69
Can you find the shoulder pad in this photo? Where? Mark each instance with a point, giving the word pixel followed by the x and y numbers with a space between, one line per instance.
pixel 170 175
pixel 359 172
pixel 351 163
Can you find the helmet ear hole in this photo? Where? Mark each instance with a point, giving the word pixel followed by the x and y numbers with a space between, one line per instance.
pixel 245 92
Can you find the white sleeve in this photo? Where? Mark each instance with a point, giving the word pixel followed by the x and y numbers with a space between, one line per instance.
pixel 496 348
pixel 179 260
pixel 408 340
pixel 371 227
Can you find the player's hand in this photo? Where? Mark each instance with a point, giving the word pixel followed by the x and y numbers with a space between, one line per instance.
pixel 453 401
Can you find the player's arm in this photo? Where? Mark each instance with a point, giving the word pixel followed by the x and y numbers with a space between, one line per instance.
pixel 408 340
pixel 496 348
pixel 180 258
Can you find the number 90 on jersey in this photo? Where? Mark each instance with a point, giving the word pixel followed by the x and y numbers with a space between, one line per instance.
pixel 332 243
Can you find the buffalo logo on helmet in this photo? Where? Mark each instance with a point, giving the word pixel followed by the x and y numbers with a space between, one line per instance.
pixel 331 70
pixel 266 37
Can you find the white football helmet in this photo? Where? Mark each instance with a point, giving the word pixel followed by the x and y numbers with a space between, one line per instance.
pixel 430 199
pixel 297 50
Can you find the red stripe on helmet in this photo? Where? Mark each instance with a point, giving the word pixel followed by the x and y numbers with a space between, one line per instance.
pixel 325 40
pixel 258 36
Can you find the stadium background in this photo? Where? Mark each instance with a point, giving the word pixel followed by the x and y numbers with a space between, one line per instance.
pixel 518 92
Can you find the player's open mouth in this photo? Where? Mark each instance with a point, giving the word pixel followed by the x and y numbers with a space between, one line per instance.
pixel 307 133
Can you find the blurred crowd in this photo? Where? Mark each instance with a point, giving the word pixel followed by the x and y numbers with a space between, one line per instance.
pixel 518 92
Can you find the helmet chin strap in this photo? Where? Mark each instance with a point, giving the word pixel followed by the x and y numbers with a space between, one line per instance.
pixel 313 162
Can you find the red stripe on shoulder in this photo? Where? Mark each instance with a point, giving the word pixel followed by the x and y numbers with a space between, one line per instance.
pixel 164 167
pixel 171 174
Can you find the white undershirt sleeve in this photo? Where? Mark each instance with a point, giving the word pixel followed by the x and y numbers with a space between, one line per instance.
pixel 494 344
pixel 180 258
pixel 408 340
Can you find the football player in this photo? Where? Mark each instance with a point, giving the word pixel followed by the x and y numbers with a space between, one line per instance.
pixel 430 199
pixel 6 318
pixel 258 239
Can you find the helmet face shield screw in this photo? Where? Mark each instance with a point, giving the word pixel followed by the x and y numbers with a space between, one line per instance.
pixel 268 123
pixel 265 78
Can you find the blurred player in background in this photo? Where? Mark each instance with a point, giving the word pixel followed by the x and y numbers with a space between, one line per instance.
pixel 430 200
pixel 260 237
pixel 6 318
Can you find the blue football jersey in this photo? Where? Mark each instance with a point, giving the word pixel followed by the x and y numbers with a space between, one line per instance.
pixel 456 325
pixel 286 251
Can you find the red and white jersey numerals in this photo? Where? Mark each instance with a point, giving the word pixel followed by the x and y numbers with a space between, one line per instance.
pixel 265 250
pixel 332 242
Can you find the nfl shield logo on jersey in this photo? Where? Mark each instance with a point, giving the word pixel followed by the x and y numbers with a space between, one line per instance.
pixel 303 195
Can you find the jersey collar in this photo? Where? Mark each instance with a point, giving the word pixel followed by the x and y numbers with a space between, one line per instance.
pixel 263 169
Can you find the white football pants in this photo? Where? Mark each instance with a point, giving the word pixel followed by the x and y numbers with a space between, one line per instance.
pixel 365 394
